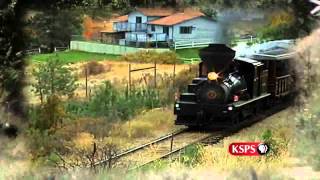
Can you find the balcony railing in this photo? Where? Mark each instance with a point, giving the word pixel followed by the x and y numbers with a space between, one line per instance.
pixel 144 37
pixel 127 27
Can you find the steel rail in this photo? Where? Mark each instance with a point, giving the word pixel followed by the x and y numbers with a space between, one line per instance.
pixel 132 150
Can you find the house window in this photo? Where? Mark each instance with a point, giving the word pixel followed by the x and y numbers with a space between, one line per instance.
pixel 185 29
pixel 138 19
pixel 153 28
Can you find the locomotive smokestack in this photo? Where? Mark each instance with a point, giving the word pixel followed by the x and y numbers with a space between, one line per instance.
pixel 217 57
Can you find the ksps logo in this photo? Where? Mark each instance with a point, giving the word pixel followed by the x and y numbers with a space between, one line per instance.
pixel 248 149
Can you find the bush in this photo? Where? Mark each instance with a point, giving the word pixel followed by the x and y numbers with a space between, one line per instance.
pixel 41 143
pixel 116 104
pixel 94 68
pixel 151 57
pixel 48 116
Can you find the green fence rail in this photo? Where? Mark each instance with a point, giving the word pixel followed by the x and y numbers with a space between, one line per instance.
pixel 190 60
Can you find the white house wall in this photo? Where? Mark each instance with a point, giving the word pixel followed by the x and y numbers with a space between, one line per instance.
pixel 132 17
pixel 158 29
pixel 204 29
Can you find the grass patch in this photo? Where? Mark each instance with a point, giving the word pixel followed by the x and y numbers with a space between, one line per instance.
pixel 73 56
pixel 188 53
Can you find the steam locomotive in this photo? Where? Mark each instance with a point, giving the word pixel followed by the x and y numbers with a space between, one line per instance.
pixel 228 89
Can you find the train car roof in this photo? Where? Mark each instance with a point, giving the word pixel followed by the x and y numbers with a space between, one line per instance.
pixel 272 50
pixel 248 60
pixel 265 56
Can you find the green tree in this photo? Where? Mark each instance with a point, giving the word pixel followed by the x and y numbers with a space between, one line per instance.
pixel 55 27
pixel 54 79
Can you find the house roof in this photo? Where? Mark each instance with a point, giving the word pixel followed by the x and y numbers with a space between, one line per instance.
pixel 177 18
pixel 156 11
pixel 121 18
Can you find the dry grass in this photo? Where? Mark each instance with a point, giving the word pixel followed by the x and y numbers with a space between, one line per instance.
pixel 282 129
pixel 147 125
pixel 115 72
pixel 81 134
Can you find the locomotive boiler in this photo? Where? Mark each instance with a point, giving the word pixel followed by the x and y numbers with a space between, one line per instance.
pixel 229 89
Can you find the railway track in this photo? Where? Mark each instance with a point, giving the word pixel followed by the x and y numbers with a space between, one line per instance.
pixel 156 149
pixel 177 141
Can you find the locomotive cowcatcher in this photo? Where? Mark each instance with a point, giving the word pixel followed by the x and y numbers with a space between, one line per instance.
pixel 228 89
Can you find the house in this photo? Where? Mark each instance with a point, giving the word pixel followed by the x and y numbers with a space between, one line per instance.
pixel 156 25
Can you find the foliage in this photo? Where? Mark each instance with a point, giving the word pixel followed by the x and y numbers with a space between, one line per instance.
pixel 306 66
pixel 40 143
pixel 116 104
pixel 279 27
pixel 48 116
pixel 308 136
pixel 151 57
pixel 190 155
pixel 73 57
pixel 275 146
pixel 11 56
pixel 47 28
pixel 52 78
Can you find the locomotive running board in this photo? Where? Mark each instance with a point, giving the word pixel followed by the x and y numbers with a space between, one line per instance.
pixel 242 103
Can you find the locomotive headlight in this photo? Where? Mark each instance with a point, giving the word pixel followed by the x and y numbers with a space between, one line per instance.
pixel 212 76
pixel 230 108
pixel 177 105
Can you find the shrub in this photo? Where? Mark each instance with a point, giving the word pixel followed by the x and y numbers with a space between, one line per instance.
pixel 151 57
pixel 49 115
pixel 41 143
pixel 116 104
pixel 94 68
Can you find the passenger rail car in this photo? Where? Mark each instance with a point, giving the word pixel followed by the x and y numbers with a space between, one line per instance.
pixel 229 89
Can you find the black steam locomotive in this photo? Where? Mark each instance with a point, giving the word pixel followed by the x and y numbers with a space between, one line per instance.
pixel 229 89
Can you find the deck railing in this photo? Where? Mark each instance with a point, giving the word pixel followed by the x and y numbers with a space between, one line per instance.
pixel 143 37
pixel 125 26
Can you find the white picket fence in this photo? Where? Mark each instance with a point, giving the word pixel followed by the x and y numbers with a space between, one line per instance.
pixel 184 44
